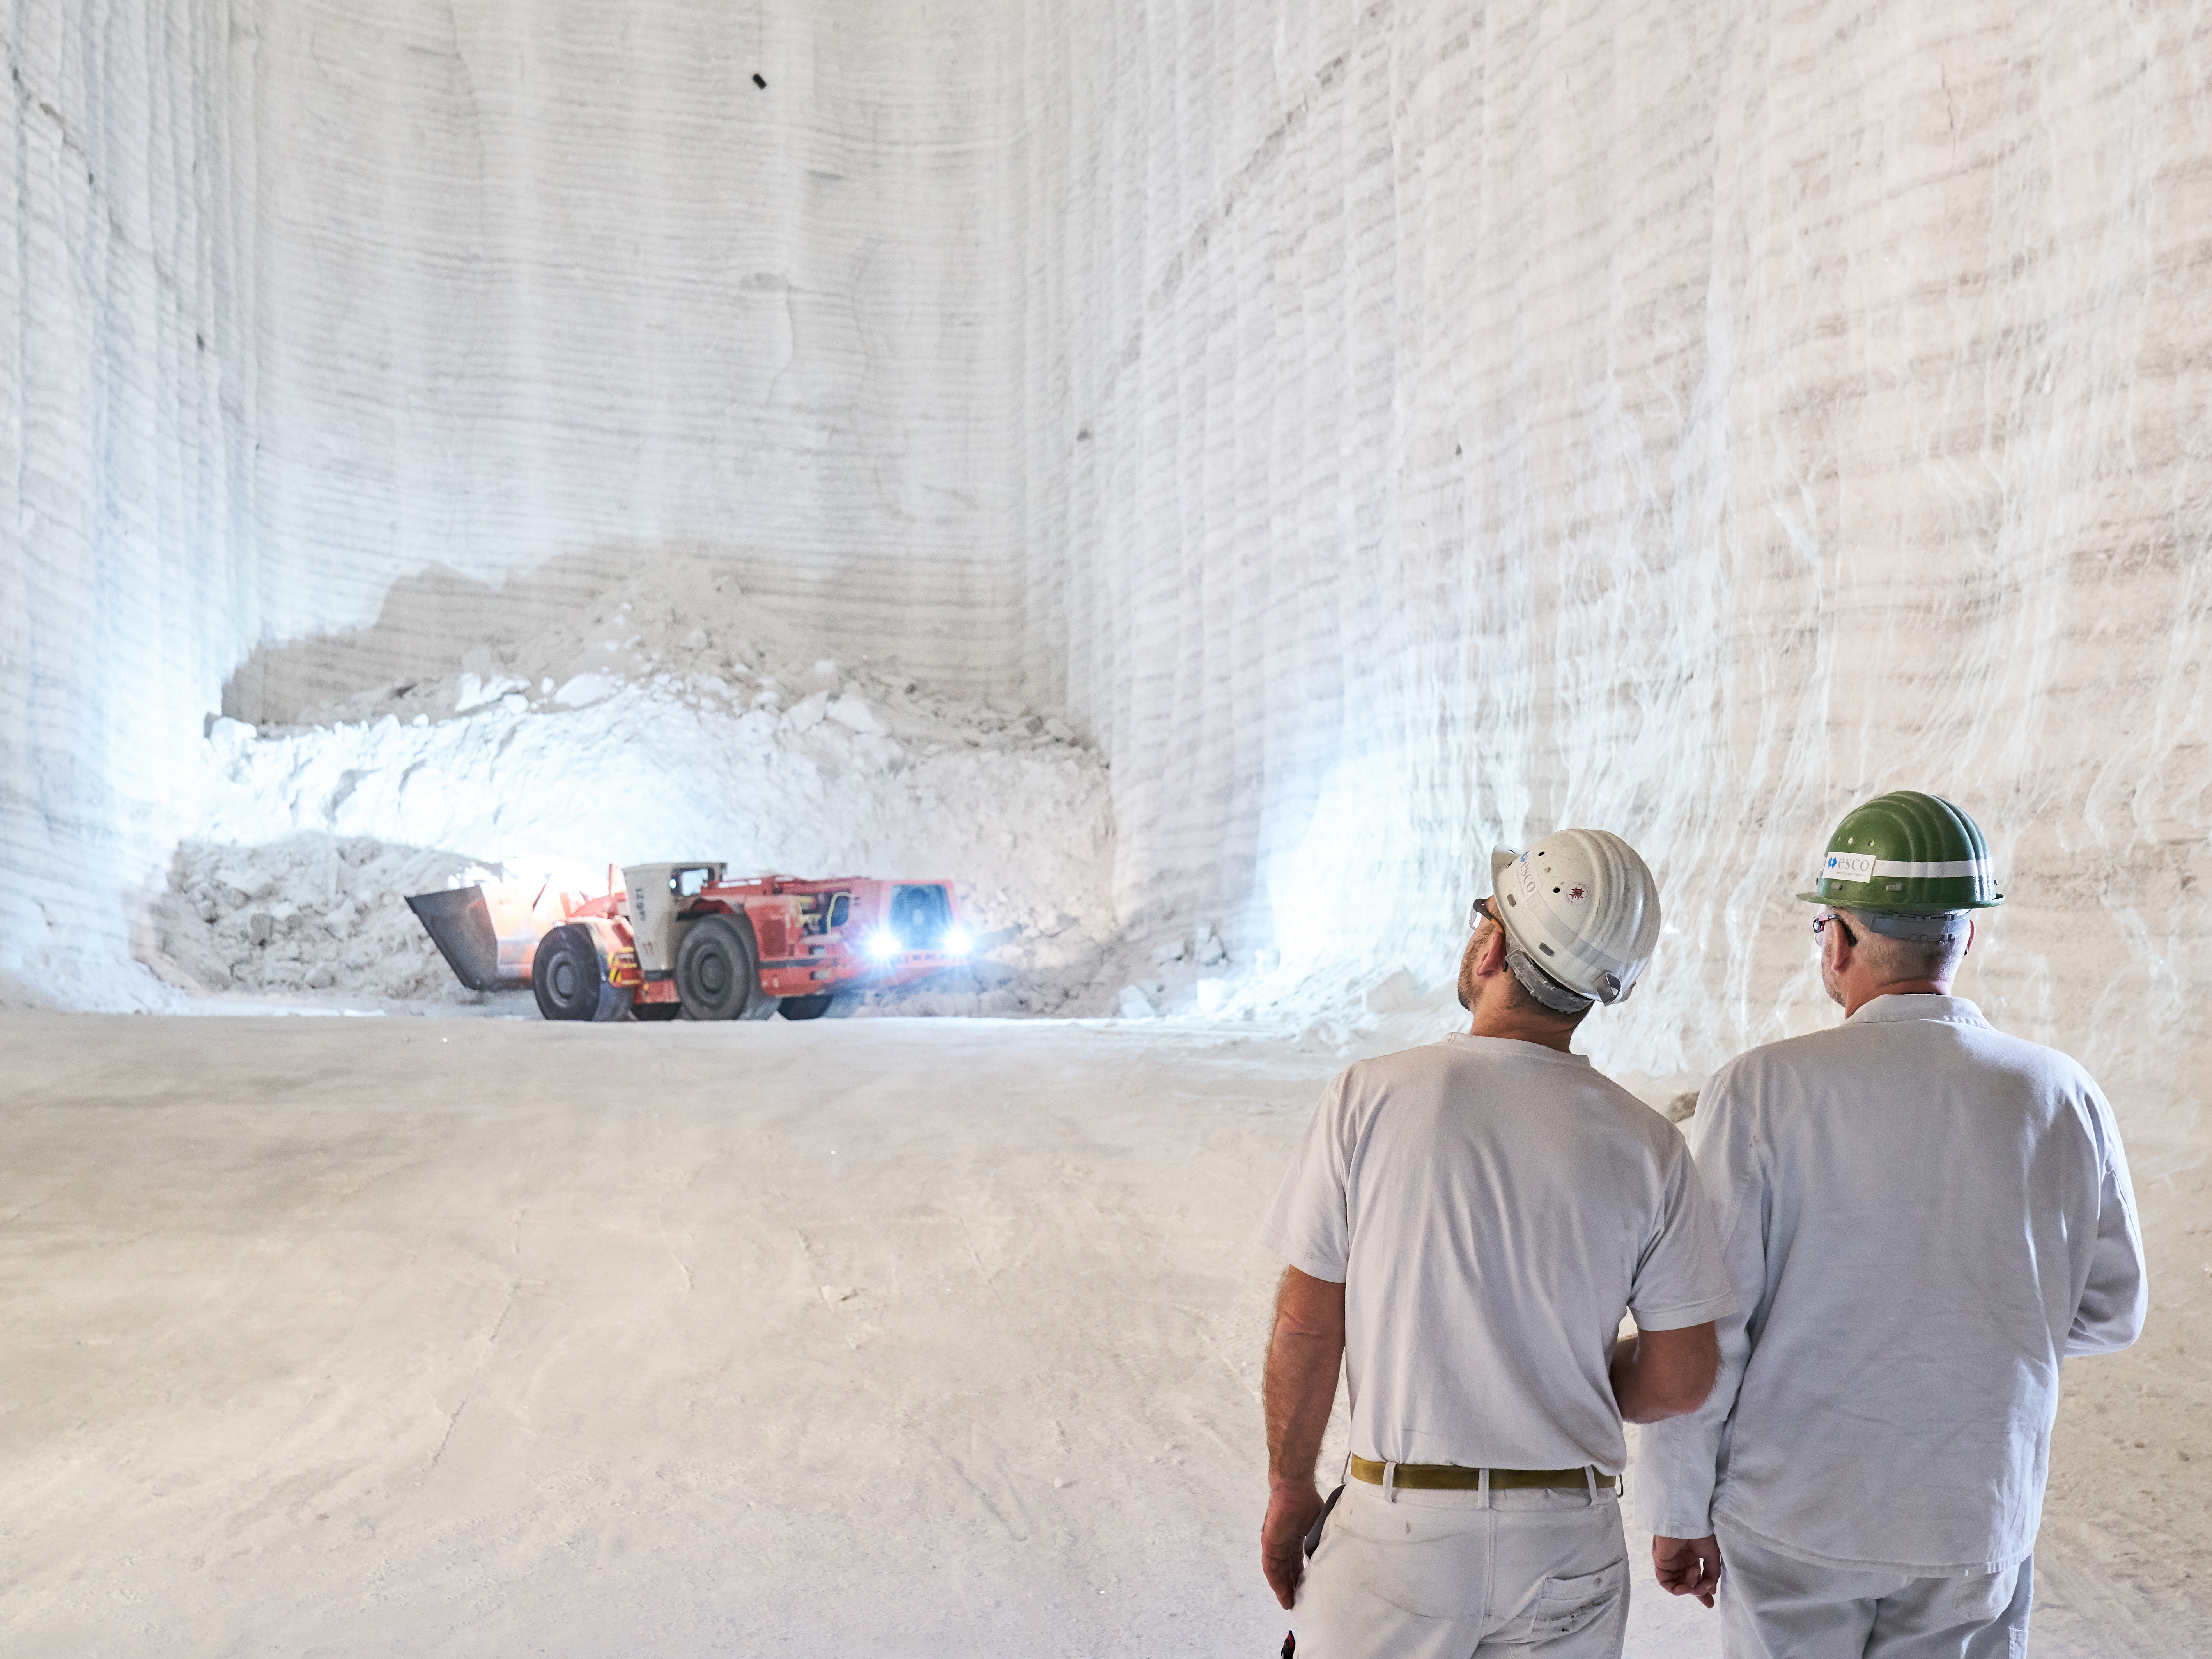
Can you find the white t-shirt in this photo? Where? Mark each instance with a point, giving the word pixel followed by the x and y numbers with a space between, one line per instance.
pixel 1492 1208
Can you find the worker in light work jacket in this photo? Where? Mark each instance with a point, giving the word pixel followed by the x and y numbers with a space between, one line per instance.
pixel 1466 1225
pixel 1921 1216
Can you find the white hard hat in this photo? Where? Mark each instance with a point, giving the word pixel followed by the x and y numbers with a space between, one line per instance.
pixel 1581 915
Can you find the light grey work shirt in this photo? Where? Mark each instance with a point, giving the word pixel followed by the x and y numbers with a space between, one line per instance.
pixel 1921 1216
pixel 1492 1207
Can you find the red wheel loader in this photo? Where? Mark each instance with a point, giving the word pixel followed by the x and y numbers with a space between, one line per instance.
pixel 678 941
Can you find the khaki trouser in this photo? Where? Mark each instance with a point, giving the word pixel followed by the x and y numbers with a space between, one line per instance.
pixel 1439 1575
pixel 1775 1606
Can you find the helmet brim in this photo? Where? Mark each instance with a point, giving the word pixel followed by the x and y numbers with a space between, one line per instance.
pixel 1892 907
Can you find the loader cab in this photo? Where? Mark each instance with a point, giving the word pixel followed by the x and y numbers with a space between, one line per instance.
pixel 656 895
pixel 920 917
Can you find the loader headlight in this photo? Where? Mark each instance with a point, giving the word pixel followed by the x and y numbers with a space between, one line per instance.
pixel 883 945
pixel 955 941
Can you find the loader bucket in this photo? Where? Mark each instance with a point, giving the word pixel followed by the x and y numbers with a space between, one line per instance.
pixel 458 923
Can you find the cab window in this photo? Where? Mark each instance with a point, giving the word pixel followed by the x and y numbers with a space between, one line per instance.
pixel 920 917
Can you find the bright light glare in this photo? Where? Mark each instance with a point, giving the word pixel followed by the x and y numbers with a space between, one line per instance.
pixel 955 941
pixel 883 946
pixel 537 870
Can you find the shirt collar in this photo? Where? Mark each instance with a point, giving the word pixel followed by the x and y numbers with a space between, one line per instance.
pixel 1915 1005
pixel 1516 1046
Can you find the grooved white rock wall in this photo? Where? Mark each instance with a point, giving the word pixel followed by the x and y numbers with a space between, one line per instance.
pixel 557 280
pixel 315 298
pixel 1458 422
pixel 124 491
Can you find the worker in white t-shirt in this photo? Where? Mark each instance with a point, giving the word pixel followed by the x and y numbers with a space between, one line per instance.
pixel 1466 1225
pixel 1922 1216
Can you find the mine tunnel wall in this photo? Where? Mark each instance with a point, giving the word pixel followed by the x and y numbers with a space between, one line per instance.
pixel 1458 423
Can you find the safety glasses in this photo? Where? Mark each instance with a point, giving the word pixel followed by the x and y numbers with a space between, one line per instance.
pixel 1480 912
pixel 1821 923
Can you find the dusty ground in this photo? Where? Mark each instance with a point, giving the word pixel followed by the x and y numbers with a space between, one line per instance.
pixel 404 1336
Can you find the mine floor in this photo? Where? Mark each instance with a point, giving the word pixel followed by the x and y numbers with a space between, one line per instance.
pixel 890 1337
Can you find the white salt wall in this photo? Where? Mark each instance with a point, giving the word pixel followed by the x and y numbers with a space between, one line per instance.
pixel 124 491
pixel 555 280
pixel 315 298
pixel 1453 422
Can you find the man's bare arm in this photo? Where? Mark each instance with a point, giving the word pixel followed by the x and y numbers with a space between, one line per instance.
pixel 1661 1374
pixel 1305 1353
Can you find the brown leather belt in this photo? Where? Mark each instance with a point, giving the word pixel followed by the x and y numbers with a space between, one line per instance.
pixel 1450 1477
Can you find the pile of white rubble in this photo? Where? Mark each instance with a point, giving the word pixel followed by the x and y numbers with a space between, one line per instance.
pixel 308 913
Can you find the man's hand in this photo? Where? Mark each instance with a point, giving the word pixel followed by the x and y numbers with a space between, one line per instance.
pixel 1685 1566
pixel 1290 1511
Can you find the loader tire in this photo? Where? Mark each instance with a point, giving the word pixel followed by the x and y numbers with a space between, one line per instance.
pixel 717 967
pixel 812 1008
pixel 565 978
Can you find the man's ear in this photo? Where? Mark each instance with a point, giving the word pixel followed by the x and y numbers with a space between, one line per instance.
pixel 1494 953
pixel 1969 939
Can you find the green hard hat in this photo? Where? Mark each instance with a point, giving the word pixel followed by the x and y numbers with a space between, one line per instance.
pixel 1907 853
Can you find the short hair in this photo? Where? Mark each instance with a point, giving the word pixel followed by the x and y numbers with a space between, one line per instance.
pixel 1518 999
pixel 1898 959
pixel 1517 993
